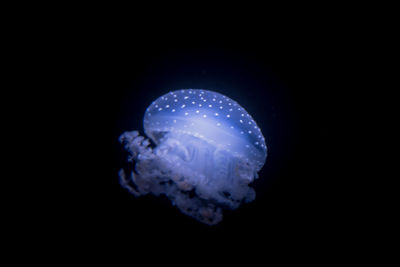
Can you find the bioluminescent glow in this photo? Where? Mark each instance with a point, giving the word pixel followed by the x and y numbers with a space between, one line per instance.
pixel 208 150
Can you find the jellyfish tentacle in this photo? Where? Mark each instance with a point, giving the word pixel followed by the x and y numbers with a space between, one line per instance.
pixel 175 147
pixel 153 170
pixel 244 171
pixel 136 145
pixel 222 163
pixel 127 183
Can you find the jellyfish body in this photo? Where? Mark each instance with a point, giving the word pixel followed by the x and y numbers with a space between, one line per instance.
pixel 208 150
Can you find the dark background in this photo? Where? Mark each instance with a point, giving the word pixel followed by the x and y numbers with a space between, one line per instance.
pixel 293 85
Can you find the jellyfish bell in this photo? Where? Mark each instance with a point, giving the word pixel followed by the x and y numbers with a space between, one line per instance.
pixel 208 150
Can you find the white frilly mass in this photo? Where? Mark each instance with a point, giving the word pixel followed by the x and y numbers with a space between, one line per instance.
pixel 208 150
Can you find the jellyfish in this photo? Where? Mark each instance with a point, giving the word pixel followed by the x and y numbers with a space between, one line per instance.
pixel 207 151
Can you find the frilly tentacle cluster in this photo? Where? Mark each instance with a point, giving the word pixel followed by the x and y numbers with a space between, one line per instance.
pixel 172 169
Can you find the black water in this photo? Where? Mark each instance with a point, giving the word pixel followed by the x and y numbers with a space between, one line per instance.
pixel 292 88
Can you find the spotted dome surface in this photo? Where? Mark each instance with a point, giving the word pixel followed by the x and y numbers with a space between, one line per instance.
pixel 210 116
